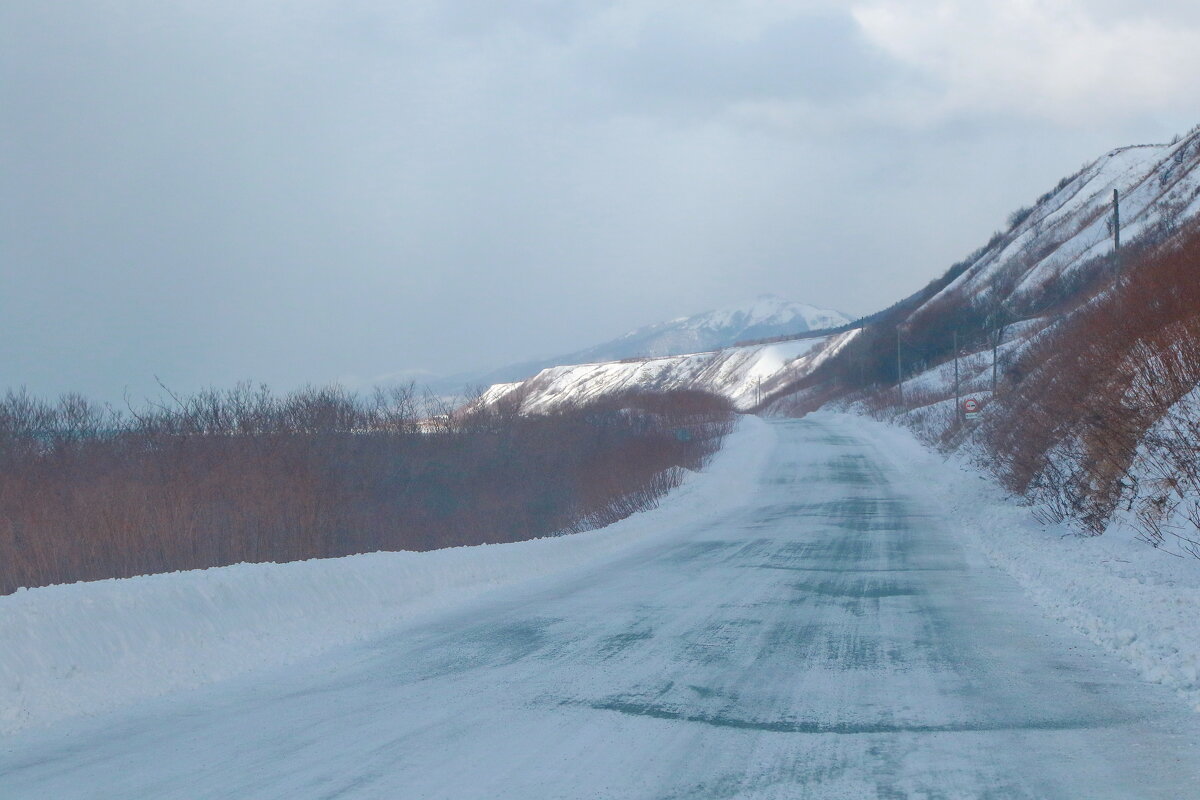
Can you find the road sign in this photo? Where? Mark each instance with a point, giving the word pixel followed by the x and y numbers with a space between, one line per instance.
pixel 971 409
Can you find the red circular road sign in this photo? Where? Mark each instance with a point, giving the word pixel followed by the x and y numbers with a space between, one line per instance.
pixel 970 405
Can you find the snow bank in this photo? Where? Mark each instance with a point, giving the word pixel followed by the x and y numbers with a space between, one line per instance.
pixel 1122 594
pixel 88 647
pixel 1156 473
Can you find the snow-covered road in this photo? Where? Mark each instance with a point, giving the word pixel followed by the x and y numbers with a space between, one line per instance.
pixel 828 639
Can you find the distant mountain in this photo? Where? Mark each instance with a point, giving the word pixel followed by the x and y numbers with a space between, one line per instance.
pixel 764 317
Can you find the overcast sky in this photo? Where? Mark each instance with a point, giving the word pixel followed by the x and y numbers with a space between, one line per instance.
pixel 318 190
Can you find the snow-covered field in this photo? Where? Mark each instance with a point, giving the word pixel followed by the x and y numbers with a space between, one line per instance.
pixel 88 647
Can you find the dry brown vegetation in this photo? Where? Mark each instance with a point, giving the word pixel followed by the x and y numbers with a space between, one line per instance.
pixel 243 475
pixel 1084 397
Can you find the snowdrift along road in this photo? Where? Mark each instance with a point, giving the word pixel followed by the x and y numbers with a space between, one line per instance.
pixel 89 647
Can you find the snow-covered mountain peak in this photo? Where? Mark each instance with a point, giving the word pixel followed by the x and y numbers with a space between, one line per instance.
pixel 761 317
pixel 767 309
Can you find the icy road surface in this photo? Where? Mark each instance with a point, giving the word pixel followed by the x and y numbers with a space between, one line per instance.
pixel 830 639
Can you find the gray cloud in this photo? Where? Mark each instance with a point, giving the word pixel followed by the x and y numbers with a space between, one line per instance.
pixel 819 56
pixel 306 191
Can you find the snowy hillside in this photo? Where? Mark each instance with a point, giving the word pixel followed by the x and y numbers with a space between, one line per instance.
pixel 742 374
pixel 764 317
pixel 1052 254
pixel 1070 226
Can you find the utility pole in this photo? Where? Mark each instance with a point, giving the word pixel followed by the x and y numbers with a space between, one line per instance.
pixel 1116 221
pixel 997 336
pixel 1116 230
pixel 995 347
pixel 899 368
pixel 957 404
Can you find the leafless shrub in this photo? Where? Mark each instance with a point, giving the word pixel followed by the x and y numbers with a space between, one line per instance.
pixel 1067 434
pixel 222 477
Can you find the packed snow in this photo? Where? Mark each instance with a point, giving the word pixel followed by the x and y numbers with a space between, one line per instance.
pixel 1121 593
